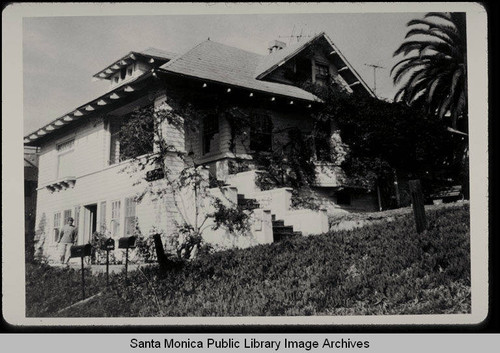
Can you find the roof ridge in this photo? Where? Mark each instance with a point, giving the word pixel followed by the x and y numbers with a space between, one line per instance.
pixel 230 46
pixel 171 62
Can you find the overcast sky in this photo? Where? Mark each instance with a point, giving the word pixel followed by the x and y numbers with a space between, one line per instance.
pixel 60 54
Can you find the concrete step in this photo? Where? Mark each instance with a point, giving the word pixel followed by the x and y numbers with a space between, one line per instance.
pixel 283 229
pixel 279 223
pixel 280 230
pixel 247 204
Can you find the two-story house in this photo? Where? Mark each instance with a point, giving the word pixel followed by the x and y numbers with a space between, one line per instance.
pixel 81 172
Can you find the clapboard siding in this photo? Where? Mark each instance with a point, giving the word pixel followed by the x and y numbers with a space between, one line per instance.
pixel 97 181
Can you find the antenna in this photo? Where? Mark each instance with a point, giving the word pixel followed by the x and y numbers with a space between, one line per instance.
pixel 375 67
pixel 297 37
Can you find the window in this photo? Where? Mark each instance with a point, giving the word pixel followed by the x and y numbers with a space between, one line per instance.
pixel 65 162
pixel 123 73
pixel 210 129
pixel 115 217
pixel 114 129
pixel 116 79
pixel 130 218
pixel 261 133
pixel 137 144
pixel 76 216
pixel 67 215
pixel 129 71
pixel 322 70
pixel 102 216
pixel 57 225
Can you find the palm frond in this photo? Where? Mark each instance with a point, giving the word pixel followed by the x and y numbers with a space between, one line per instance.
pixel 450 30
pixel 432 32
pixel 432 68
pixel 419 45
pixel 406 70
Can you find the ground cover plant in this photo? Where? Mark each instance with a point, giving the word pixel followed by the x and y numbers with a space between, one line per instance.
pixel 384 268
pixel 50 289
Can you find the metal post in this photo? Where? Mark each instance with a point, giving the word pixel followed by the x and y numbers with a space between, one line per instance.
pixel 126 265
pixel 107 267
pixel 83 280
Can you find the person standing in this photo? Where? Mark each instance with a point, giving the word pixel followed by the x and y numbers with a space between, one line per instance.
pixel 67 237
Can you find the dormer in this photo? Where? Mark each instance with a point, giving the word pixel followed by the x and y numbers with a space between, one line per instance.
pixel 133 65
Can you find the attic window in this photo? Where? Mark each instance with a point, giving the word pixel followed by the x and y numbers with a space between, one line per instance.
pixel 321 70
pixel 123 73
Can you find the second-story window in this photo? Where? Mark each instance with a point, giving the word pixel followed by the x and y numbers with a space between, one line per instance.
pixel 261 133
pixel 114 152
pixel 65 162
pixel 131 136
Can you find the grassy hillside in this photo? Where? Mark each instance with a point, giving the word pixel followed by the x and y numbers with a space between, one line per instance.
pixel 380 269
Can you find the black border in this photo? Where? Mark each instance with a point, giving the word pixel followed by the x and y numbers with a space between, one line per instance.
pixel 490 325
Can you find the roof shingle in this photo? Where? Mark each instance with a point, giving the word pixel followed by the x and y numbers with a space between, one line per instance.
pixel 221 63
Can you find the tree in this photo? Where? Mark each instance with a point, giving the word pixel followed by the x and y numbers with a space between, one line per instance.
pixel 382 138
pixel 433 68
pixel 144 141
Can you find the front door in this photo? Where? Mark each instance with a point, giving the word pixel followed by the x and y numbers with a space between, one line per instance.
pixel 90 222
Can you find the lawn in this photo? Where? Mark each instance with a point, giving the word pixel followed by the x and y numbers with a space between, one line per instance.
pixel 384 268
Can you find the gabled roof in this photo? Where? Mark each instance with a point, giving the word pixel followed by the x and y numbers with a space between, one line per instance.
pixel 279 57
pixel 212 62
pixel 273 60
pixel 148 54
pixel 218 62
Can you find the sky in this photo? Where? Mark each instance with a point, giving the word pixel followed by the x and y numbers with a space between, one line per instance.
pixel 61 54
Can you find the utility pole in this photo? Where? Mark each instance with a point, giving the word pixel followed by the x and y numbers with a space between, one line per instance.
pixel 375 67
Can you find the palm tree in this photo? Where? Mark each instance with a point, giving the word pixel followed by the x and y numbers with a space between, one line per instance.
pixel 432 71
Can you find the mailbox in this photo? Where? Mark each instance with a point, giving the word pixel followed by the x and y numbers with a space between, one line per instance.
pixel 108 244
pixel 126 242
pixel 81 250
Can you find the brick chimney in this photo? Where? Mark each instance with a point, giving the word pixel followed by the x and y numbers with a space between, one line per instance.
pixel 275 45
